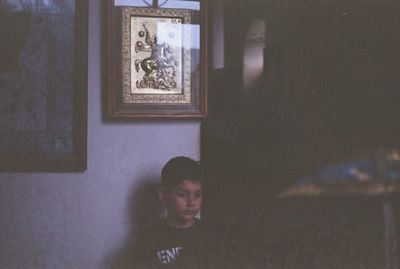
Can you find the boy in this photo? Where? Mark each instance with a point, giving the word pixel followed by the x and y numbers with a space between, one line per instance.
pixel 180 240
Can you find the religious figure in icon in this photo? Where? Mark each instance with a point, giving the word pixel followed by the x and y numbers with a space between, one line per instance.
pixel 160 67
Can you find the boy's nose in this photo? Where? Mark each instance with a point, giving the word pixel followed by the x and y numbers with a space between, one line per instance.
pixel 190 201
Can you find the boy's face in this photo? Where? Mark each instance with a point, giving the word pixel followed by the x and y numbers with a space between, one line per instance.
pixel 183 202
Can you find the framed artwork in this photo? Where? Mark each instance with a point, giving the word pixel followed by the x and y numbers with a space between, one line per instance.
pixel 43 85
pixel 156 62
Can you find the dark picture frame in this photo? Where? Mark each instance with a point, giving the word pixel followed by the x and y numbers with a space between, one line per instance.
pixel 139 83
pixel 43 123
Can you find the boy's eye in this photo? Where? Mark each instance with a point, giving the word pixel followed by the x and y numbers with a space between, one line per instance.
pixel 181 194
pixel 199 194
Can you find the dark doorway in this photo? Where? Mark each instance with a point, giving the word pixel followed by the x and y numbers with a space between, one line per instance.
pixel 329 91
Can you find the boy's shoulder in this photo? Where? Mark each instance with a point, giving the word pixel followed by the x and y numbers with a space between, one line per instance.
pixel 202 229
pixel 212 229
pixel 154 231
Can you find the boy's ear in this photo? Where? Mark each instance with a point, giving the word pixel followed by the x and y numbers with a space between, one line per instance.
pixel 162 194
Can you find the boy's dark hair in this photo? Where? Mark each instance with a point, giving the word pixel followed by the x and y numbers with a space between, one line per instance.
pixel 179 169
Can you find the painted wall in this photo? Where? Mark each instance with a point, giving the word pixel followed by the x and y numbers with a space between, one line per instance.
pixel 88 220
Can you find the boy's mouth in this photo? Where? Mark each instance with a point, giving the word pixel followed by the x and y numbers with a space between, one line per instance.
pixel 189 212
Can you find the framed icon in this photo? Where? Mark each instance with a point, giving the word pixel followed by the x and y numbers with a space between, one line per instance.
pixel 156 63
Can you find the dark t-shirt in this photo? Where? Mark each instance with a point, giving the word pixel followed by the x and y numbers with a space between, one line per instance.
pixel 197 247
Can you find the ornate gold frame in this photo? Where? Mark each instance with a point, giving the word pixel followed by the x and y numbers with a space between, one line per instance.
pixel 124 98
